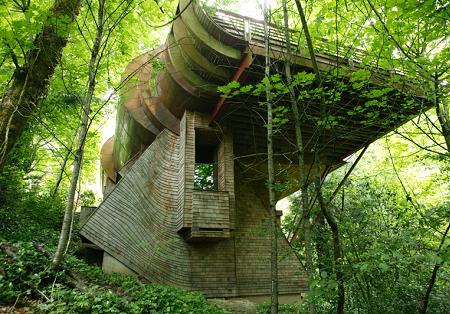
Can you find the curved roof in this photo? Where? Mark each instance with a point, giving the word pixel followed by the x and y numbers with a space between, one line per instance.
pixel 203 52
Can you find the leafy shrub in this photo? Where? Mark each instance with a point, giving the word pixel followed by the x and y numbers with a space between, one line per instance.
pixel 27 276
pixel 32 217
pixel 24 274
pixel 130 297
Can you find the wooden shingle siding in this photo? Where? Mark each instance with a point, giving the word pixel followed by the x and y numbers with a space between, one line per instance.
pixel 189 166
pixel 226 158
pixel 210 210
pixel 189 207
pixel 252 244
pixel 210 215
pixel 181 175
pixel 138 223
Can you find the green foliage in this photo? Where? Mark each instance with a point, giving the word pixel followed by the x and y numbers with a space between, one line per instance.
pixel 311 97
pixel 26 214
pixel 27 280
pixel 204 177
pixel 50 133
pixel 390 236
pixel 127 296
pixel 87 198
pixel 33 218
pixel 27 276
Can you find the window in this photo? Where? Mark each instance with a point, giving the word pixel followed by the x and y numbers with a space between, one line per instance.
pixel 205 174
pixel 204 177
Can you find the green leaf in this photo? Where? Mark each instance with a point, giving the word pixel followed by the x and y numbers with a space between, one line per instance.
pixel 384 267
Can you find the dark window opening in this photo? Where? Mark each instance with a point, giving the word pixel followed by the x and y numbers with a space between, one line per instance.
pixel 205 174
pixel 210 229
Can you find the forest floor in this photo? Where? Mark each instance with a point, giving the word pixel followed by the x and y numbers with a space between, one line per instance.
pixel 28 284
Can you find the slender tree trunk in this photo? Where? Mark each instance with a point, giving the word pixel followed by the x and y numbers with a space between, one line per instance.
pixel 308 38
pixel 63 166
pixel 324 261
pixel 442 112
pixel 30 81
pixel 324 206
pixel 301 158
pixel 68 213
pixel 424 306
pixel 271 179
pixel 337 249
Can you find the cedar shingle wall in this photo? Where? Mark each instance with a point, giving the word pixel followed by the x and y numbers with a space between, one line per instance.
pixel 181 174
pixel 189 168
pixel 138 223
pixel 211 210
pixel 252 243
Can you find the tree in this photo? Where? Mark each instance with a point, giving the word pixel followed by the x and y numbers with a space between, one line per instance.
pixel 432 71
pixel 302 169
pixel 93 65
pixel 110 16
pixel 318 178
pixel 270 172
pixel 386 235
pixel 29 82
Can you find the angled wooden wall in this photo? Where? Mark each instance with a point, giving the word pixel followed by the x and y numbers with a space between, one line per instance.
pixel 139 222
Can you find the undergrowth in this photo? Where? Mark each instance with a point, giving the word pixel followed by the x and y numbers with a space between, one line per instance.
pixel 26 280
pixel 28 283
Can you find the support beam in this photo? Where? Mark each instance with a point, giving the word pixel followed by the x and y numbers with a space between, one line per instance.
pixel 246 61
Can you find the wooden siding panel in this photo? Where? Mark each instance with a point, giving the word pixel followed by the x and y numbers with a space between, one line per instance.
pixel 211 210
pixel 252 244
pixel 189 166
pixel 138 223
pixel 181 174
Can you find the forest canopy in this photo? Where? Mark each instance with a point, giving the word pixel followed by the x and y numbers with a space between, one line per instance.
pixel 375 241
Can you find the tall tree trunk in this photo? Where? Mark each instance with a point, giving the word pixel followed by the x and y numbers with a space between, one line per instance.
pixel 271 179
pixel 308 38
pixel 30 82
pixel 426 298
pixel 337 249
pixel 442 112
pixel 324 206
pixel 68 213
pixel 64 163
pixel 301 158
pixel 324 261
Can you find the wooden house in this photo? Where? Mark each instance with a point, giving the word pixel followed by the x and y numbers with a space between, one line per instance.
pixel 153 221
